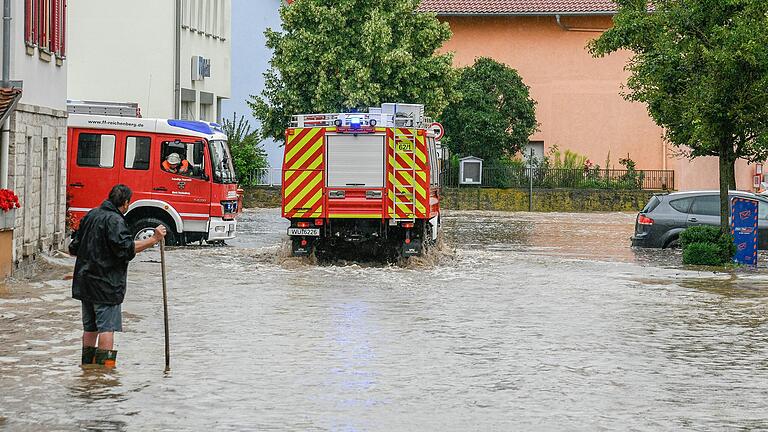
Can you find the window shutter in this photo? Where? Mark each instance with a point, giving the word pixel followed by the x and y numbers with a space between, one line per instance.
pixel 41 24
pixel 53 29
pixel 63 39
pixel 28 20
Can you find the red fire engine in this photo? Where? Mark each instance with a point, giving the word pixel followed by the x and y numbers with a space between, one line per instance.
pixel 354 179
pixel 197 202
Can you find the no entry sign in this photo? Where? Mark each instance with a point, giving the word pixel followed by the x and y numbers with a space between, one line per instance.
pixel 437 129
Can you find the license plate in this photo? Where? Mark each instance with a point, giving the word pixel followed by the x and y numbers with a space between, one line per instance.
pixel 304 232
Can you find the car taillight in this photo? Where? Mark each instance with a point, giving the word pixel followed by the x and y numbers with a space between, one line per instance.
pixel 319 222
pixel 644 220
pixel 303 224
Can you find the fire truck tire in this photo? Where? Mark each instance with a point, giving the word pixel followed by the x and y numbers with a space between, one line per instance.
pixel 142 228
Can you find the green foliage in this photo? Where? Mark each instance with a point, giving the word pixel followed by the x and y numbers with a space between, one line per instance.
pixel 567 159
pixel 494 115
pixel 247 154
pixel 703 254
pixel 700 234
pixel 706 245
pixel 338 54
pixel 701 68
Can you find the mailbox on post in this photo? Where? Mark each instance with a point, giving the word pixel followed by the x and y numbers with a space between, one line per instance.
pixel 471 171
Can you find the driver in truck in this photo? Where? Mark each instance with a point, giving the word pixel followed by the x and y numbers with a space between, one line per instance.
pixel 175 165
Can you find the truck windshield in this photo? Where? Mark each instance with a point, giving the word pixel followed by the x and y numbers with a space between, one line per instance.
pixel 223 171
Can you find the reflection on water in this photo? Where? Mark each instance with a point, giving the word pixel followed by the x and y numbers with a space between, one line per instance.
pixel 521 321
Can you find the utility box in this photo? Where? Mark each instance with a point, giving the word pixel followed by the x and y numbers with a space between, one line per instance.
pixel 471 171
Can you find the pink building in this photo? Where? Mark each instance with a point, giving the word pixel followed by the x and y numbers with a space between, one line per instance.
pixel 580 107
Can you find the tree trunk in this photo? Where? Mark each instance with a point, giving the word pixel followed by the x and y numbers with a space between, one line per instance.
pixel 726 167
pixel 732 175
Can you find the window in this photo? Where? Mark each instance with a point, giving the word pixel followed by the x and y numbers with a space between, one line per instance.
pixel 45 25
pixel 191 158
pixel 223 14
pixel 185 13
pixel 201 15
pixel 538 151
pixel 137 152
pixel 708 205
pixel 654 202
pixel 187 110
pixel 215 18
pixel 432 161
pixel 205 112
pixel 193 14
pixel 96 150
pixel 681 205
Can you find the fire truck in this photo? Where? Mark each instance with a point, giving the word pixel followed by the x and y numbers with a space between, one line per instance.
pixel 362 180
pixel 197 202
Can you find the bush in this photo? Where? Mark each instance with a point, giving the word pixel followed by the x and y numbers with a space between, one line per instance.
pixel 700 234
pixel 703 254
pixel 706 245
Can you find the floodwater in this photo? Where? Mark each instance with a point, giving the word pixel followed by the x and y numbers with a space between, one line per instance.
pixel 519 322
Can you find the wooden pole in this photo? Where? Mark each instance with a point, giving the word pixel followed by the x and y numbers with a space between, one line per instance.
pixel 165 308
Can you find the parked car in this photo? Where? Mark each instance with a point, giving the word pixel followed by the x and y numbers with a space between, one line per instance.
pixel 660 222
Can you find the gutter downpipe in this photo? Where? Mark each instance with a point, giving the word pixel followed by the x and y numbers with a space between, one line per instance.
pixel 176 63
pixel 5 135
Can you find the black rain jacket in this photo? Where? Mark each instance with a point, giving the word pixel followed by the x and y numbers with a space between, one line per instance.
pixel 103 246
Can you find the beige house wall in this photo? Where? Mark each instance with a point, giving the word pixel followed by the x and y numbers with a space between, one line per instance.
pixel 580 107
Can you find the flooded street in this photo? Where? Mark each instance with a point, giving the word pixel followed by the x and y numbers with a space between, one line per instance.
pixel 521 322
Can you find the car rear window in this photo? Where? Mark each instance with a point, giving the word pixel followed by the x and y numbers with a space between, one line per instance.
pixel 682 205
pixel 652 204
pixel 707 205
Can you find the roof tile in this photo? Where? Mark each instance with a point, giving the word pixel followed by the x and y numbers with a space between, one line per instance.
pixel 515 7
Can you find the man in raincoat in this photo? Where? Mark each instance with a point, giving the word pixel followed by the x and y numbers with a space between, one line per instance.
pixel 104 246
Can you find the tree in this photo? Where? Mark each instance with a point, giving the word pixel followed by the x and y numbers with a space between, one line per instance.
pixel 247 154
pixel 701 67
pixel 494 115
pixel 334 55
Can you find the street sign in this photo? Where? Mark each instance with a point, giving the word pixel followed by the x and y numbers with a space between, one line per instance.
pixel 437 129
pixel 744 213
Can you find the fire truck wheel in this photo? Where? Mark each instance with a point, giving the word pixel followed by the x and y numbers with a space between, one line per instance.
pixel 144 228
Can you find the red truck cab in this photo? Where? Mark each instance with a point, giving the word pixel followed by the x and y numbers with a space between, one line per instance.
pixel 200 202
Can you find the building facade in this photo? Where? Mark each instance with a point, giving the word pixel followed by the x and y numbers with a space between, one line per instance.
pixel 580 107
pixel 36 159
pixel 171 57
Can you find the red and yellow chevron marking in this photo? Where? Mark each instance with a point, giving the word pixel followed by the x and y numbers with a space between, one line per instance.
pixel 402 167
pixel 303 167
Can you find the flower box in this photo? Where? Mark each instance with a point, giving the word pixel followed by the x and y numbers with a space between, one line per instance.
pixel 7 219
pixel 9 202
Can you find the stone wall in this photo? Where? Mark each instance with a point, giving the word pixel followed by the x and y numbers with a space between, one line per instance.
pixel 37 173
pixel 544 200
pixel 266 197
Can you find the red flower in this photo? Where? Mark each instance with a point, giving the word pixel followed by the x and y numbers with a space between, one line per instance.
pixel 8 200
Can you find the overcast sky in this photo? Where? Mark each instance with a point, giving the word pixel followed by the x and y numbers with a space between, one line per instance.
pixel 250 59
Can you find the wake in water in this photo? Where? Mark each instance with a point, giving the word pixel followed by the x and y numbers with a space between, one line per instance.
pixel 356 254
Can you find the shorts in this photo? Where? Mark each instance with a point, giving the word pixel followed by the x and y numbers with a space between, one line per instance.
pixel 102 318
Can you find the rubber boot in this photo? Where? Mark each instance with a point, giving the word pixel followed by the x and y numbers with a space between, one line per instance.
pixel 106 358
pixel 89 355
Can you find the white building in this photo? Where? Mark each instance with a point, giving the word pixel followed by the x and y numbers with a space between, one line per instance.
pixel 172 57
pixel 35 163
